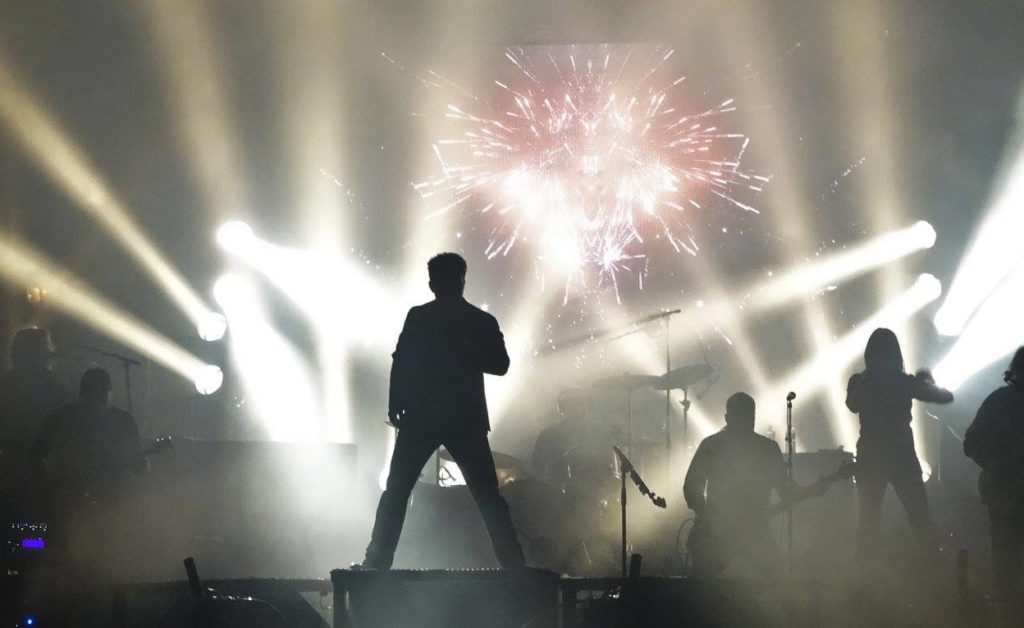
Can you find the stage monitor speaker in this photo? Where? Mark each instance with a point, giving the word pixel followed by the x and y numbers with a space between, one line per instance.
pixel 445 598
pixel 242 602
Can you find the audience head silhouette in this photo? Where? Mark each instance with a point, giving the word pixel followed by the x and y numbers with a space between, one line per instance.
pixel 31 350
pixel 94 388
pixel 447 275
pixel 739 411
pixel 883 354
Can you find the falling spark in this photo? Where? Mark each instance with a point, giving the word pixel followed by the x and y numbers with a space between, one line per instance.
pixel 590 160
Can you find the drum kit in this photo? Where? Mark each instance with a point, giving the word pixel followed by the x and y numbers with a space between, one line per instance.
pixel 570 523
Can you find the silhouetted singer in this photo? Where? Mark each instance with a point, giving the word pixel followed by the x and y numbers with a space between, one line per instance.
pixel 882 395
pixel 995 441
pixel 437 398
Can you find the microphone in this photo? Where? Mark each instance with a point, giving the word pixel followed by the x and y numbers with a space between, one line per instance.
pixel 791 396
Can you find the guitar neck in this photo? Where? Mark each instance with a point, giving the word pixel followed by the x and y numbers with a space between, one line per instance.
pixel 814 490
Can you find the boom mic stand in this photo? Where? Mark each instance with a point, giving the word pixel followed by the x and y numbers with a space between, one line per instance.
pixel 626 467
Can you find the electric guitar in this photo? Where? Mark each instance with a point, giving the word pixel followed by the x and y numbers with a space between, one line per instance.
pixel 713 534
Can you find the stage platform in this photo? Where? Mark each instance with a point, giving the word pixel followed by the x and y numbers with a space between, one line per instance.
pixel 540 598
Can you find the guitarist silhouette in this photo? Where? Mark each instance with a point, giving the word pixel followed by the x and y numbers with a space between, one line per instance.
pixel 728 486
pixel 995 441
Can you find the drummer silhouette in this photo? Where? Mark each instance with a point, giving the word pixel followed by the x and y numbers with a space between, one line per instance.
pixel 437 398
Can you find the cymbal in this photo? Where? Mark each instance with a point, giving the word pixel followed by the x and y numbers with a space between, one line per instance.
pixel 683 377
pixel 627 382
pixel 501 461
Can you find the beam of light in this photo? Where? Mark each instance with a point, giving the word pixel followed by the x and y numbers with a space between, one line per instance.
pixel 309 69
pixel 994 332
pixel 807 280
pixel 276 379
pixel 520 339
pixel 54 151
pixel 837 267
pixel 995 249
pixel 731 326
pixel 869 81
pixel 346 305
pixel 332 290
pixel 821 369
pixel 23 266
pixel 190 66
pixel 776 130
pixel 592 160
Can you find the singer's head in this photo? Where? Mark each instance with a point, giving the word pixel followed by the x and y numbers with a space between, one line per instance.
pixel 447 275
pixel 739 411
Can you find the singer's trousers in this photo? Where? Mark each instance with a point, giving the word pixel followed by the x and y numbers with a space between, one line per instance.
pixel 472 453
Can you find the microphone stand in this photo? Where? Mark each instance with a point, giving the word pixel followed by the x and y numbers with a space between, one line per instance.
pixel 626 467
pixel 790 446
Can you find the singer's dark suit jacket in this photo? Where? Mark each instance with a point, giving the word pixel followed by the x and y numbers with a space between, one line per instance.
pixel 437 372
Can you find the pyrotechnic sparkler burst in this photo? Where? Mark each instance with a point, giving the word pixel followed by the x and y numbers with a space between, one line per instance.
pixel 589 157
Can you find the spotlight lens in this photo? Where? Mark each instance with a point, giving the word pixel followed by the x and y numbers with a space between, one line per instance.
pixel 229 288
pixel 234 236
pixel 924 233
pixel 946 324
pixel 209 379
pixel 212 327
pixel 929 284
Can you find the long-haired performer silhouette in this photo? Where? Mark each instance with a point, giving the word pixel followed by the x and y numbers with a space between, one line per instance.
pixel 437 398
pixel 882 395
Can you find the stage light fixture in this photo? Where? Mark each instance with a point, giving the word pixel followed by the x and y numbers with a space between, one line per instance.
pixel 209 379
pixel 874 253
pixel 23 266
pixel 994 332
pixel 212 327
pixel 994 251
pixel 235 236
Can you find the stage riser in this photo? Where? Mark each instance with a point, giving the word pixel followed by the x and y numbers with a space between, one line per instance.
pixel 449 599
